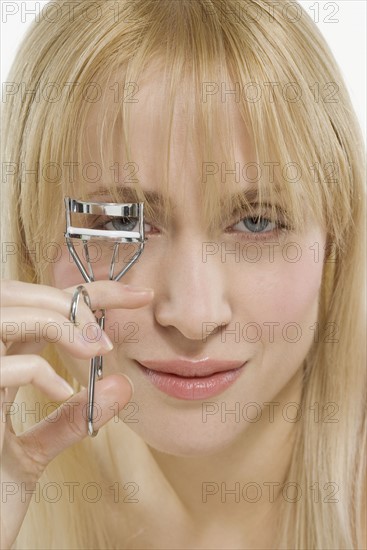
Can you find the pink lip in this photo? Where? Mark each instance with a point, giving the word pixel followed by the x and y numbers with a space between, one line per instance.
pixel 192 380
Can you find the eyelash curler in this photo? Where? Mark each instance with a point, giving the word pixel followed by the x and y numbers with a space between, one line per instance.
pixel 85 234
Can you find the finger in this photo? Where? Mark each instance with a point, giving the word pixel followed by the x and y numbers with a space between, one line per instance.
pixel 115 295
pixel 103 294
pixel 17 293
pixel 3 348
pixel 7 396
pixel 3 417
pixel 40 325
pixel 67 425
pixel 19 370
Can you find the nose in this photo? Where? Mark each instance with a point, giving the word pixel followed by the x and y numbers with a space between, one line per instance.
pixel 192 293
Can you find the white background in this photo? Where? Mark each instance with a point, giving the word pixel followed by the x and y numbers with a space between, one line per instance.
pixel 342 22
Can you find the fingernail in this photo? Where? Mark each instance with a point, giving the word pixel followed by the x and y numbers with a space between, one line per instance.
pixel 139 289
pixel 92 346
pixel 130 381
pixel 106 342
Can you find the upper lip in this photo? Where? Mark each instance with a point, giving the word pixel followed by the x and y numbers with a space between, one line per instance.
pixel 187 368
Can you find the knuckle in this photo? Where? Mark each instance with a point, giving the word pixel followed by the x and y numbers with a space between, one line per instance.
pixel 73 425
pixel 35 458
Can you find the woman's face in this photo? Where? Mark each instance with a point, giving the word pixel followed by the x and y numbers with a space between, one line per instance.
pixel 216 296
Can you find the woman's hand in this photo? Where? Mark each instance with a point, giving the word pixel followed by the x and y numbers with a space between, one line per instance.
pixel 26 309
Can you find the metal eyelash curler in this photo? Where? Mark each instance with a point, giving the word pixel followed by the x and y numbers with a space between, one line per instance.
pixel 134 211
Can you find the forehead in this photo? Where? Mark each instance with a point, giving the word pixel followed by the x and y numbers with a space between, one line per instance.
pixel 149 104
pixel 164 139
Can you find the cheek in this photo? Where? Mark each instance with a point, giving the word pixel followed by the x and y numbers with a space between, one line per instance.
pixel 65 273
pixel 283 291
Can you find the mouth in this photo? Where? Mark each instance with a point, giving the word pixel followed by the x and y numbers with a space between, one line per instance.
pixel 191 380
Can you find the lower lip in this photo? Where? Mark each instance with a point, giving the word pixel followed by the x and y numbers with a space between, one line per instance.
pixel 200 387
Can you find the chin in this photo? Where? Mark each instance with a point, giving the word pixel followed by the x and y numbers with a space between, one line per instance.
pixel 187 449
pixel 188 439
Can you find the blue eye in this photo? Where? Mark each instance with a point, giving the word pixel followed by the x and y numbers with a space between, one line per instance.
pixel 254 224
pixel 120 224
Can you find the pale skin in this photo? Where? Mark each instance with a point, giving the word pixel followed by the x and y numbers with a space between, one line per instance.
pixel 187 293
pixel 35 448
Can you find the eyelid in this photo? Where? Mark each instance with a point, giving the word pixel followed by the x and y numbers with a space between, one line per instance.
pixel 100 221
pixel 282 224
pixel 105 219
pixel 262 211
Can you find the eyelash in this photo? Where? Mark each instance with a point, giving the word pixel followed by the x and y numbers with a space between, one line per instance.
pixel 102 221
pixel 280 229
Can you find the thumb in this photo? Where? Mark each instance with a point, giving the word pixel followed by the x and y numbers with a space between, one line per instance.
pixel 67 425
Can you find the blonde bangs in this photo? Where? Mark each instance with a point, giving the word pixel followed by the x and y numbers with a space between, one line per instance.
pixel 300 159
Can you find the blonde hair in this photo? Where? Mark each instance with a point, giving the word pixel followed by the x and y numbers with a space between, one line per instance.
pixel 203 43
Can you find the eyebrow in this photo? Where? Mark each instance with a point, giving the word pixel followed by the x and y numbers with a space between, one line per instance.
pixel 126 194
pixel 129 194
pixel 155 202
pixel 251 195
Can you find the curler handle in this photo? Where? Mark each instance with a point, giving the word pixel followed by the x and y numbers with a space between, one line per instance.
pixel 95 371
